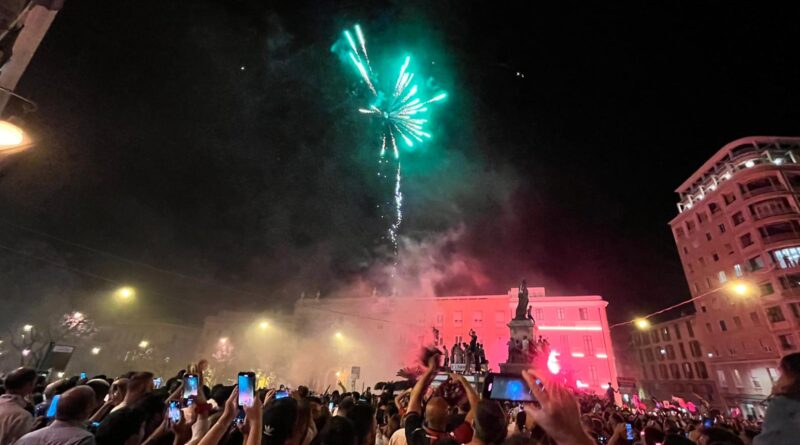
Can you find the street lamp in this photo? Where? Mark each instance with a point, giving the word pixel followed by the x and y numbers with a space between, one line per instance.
pixel 95 350
pixel 338 335
pixel 27 328
pixel 742 288
pixel 642 324
pixel 26 352
pixel 263 325
pixel 144 343
pixel 14 139
pixel 125 293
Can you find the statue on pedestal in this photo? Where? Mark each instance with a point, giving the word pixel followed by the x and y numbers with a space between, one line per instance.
pixel 522 303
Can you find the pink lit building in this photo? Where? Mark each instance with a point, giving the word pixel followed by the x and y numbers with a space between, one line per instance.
pixel 575 326
pixel 739 219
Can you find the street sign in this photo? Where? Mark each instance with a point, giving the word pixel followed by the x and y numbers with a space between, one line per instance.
pixel 355 372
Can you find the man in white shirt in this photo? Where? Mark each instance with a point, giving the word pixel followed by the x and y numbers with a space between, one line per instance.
pixel 74 408
pixel 15 419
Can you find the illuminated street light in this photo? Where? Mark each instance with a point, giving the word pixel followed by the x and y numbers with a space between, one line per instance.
pixel 223 340
pixel 13 139
pixel 338 335
pixel 742 288
pixel 263 325
pixel 338 373
pixel 144 343
pixel 27 328
pixel 125 293
pixel 642 323
pixel 26 352
pixel 95 350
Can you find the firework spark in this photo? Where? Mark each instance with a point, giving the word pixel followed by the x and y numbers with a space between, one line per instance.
pixel 401 112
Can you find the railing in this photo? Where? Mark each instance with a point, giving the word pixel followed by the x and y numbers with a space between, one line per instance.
pixel 761 190
pixel 770 239
pixel 772 212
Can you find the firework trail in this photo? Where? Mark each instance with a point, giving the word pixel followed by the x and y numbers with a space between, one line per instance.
pixel 401 112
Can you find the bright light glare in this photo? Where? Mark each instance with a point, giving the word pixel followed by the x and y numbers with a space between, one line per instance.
pixel 26 352
pixel 263 325
pixel 95 350
pixel 338 335
pixel 27 327
pixel 749 164
pixel 144 343
pixel 10 135
pixel 552 363
pixel 125 293
pixel 642 323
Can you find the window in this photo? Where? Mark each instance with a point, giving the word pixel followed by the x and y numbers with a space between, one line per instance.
pixel 674 370
pixel 689 329
pixel 662 368
pixel 715 257
pixel 593 377
pixel 654 335
pixel 708 236
pixel 477 318
pixel 786 258
pixel 713 207
pixel 732 351
pixel 694 346
pixel 679 233
pixel 702 372
pixel 721 228
pixel 670 352
pixel 439 319
pixel 690 267
pixel 709 329
pixel 677 329
pixel 708 283
pixel 538 314
pixel 728 198
pixel 722 277
pixel 687 370
pixel 458 318
pixel 746 240
pixel 766 289
pixel 729 248
pixel 583 313
pixel 775 314
pixel 755 263
pixel 702 261
pixel 766 346
pixel 665 334
pixel 661 353
pixel 499 319
pixel 737 270
pixel 560 314
pixel 795 308
pixel 696 288
pixel 737 218
pixel 702 217
pixel 588 348
pixel 737 379
pixel 754 318
pixel 653 370
pixel 722 326
pixel 738 322
pixel 565 344
pixel 723 382
pixel 787 342
pixel 649 354
pixel 683 350
pixel 754 380
pixel 685 250
pixel 773 374
pixel 644 372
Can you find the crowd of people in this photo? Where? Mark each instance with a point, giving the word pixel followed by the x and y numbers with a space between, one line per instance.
pixel 130 410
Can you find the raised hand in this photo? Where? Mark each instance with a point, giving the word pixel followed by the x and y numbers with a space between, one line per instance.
pixel 559 414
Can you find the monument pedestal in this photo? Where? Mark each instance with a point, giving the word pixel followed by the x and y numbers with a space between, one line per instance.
pixel 519 330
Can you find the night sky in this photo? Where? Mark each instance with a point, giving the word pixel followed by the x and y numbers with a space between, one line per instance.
pixel 240 188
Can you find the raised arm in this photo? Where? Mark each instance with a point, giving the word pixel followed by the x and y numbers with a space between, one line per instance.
pixel 472 395
pixel 415 403
pixel 221 427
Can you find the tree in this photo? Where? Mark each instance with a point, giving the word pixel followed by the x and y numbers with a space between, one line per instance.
pixel 31 341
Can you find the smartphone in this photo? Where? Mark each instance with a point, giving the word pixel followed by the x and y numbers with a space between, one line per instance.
pixel 190 384
pixel 247 388
pixel 707 423
pixel 157 382
pixel 629 431
pixel 174 411
pixel 508 387
pixel 83 376
pixel 51 410
pixel 331 406
pixel 281 394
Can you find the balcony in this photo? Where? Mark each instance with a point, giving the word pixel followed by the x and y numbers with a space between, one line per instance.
pixel 767 213
pixel 778 237
pixel 762 190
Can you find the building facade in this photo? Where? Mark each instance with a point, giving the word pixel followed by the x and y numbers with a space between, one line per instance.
pixel 739 219
pixel 389 332
pixel 673 363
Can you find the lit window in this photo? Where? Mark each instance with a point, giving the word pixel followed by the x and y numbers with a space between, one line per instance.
pixel 723 382
pixel 737 379
pixel 722 277
pixel 737 270
pixel 788 257
pixel 773 374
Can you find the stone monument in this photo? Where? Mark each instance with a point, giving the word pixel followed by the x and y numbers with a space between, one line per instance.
pixel 522 338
